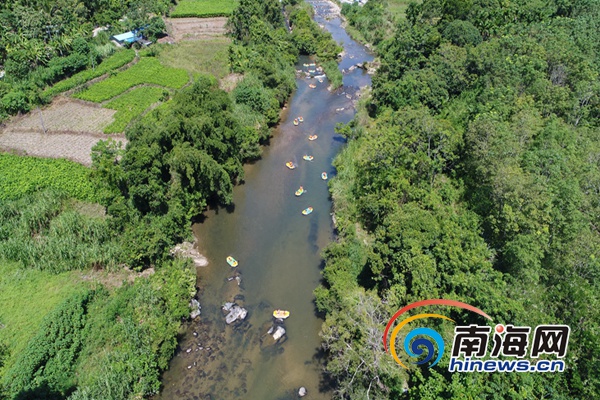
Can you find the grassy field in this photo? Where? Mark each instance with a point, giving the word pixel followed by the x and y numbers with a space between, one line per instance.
pixel 22 175
pixel 207 56
pixel 398 7
pixel 113 62
pixel 131 105
pixel 203 8
pixel 27 297
pixel 147 70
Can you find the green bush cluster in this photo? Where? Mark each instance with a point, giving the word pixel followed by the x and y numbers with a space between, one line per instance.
pixel 132 335
pixel 187 154
pixel 45 369
pixel 109 345
pixel 147 71
pixel 22 85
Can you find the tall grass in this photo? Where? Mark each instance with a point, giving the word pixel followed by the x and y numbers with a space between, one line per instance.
pixel 42 232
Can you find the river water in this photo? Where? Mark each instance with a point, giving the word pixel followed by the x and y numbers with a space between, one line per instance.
pixel 278 250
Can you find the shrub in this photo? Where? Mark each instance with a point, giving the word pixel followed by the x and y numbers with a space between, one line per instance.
pixel 462 33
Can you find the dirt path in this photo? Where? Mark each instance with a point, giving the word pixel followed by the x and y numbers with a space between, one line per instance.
pixel 195 28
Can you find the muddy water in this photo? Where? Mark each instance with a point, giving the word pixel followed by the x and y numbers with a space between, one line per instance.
pixel 278 250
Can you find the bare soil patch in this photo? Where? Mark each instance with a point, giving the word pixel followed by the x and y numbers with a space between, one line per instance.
pixel 196 28
pixel 65 114
pixel 72 128
pixel 229 82
pixel 114 279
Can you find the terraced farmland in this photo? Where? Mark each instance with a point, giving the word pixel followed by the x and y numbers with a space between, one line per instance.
pixel 147 71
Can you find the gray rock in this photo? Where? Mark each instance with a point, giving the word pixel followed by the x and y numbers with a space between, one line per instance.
pixel 236 313
pixel 188 250
pixel 195 306
pixel 279 332
pixel 302 392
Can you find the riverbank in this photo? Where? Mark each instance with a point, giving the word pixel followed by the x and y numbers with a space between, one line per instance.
pixel 279 255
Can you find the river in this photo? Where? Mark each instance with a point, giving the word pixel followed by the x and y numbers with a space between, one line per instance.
pixel 278 250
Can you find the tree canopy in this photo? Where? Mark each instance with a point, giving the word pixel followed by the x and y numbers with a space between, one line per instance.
pixel 471 176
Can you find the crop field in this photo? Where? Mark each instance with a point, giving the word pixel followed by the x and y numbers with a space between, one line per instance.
pixel 131 105
pixel 21 175
pixel 206 56
pixel 196 28
pixel 147 70
pixel 117 60
pixel 204 8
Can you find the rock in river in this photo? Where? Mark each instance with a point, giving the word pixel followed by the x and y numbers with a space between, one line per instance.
pixel 302 392
pixel 279 332
pixel 195 306
pixel 235 313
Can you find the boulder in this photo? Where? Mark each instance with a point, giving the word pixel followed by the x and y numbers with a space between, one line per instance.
pixel 236 313
pixel 302 392
pixel 195 306
pixel 279 332
pixel 188 250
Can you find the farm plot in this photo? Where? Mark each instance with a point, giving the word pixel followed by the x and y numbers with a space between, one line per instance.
pixel 72 128
pixel 204 8
pixel 131 105
pixel 147 70
pixel 22 175
pixel 196 28
pixel 204 56
pixel 113 62
pixel 65 115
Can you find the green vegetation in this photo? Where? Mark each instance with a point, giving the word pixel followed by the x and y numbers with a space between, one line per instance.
pixel 398 7
pixel 44 42
pixel 43 232
pixel 131 334
pixel 187 154
pixel 309 38
pixel 117 60
pixel 43 369
pixel 470 175
pixel 22 175
pixel 147 71
pixel 131 105
pixel 199 56
pixel 203 8
pixel 63 338
pixel 32 295
pixel 89 341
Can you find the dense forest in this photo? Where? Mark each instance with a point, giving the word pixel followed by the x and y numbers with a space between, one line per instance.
pixel 111 340
pixel 472 173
